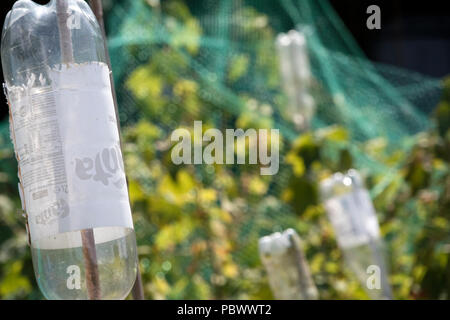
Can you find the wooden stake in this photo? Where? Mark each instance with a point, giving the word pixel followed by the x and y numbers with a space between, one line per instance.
pixel 307 286
pixel 90 263
pixel 97 8
pixel 87 236
pixel 65 36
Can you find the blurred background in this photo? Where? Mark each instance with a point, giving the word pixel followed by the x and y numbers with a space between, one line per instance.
pixel 374 100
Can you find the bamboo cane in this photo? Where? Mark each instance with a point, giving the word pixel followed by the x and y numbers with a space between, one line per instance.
pixel 87 236
pixel 97 8
pixel 307 286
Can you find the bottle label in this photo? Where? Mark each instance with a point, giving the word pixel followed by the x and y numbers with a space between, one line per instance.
pixel 353 218
pixel 66 139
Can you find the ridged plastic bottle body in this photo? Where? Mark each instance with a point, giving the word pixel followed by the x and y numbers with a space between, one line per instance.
pixel 287 269
pixel 61 272
pixel 295 72
pixel 350 209
pixel 45 92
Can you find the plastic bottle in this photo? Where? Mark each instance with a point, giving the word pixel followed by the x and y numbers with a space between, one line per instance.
pixel 287 268
pixel 351 212
pixel 64 129
pixel 295 72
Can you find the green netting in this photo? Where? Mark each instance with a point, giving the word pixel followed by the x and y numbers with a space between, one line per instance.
pixel 370 100
pixel 216 61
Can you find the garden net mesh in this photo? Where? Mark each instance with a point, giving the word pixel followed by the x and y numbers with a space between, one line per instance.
pixel 216 61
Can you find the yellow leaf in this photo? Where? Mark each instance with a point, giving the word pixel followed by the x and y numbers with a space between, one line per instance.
pixel 174 233
pixel 230 270
pixel 207 196
pixel 298 166
pixel 257 186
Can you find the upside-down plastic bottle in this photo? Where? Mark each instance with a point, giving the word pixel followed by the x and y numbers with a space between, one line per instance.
pixel 296 77
pixel 287 268
pixel 351 212
pixel 64 129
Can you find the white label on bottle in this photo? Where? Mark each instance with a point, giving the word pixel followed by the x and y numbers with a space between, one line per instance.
pixel 353 218
pixel 67 144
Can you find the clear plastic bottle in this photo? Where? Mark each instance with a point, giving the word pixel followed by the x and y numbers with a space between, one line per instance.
pixel 351 212
pixel 287 268
pixel 66 139
pixel 295 71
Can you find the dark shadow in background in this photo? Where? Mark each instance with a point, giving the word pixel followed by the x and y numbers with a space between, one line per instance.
pixel 414 35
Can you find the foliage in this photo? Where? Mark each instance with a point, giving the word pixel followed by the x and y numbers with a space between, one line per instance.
pixel 197 226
